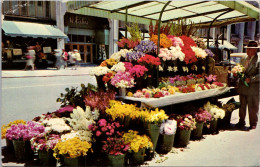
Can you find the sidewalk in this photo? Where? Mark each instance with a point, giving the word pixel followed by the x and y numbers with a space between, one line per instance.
pixel 50 72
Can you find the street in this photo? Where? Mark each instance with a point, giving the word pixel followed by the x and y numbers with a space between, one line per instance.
pixel 26 98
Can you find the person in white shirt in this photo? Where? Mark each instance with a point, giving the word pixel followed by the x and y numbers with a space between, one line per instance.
pixel 78 57
pixel 72 59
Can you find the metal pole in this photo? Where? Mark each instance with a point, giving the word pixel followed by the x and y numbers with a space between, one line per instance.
pixel 212 23
pixel 158 44
pixel 126 13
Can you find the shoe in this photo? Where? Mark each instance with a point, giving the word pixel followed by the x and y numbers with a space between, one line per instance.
pixel 240 125
pixel 252 127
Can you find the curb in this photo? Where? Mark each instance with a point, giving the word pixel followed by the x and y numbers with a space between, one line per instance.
pixel 43 76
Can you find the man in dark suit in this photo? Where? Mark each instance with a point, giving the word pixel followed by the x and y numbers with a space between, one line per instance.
pixel 249 96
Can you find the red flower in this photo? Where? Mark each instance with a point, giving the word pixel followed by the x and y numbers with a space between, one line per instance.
pixel 149 60
pixel 98 133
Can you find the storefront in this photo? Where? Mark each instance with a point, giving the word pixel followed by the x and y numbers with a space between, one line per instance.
pixel 89 35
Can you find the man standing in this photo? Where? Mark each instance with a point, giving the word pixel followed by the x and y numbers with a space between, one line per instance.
pixel 249 96
pixel 78 57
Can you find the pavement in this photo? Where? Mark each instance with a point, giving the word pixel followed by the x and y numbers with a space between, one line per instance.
pixel 230 147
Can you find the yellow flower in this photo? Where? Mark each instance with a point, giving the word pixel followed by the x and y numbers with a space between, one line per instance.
pixel 130 94
pixel 171 91
pixel 4 128
pixel 71 148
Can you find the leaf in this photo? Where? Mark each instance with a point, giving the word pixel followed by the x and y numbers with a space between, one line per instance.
pixel 82 85
pixel 67 89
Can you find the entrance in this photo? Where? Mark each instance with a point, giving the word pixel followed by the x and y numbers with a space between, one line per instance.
pixel 85 50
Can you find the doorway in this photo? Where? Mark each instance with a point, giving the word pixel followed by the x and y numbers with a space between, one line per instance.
pixel 85 50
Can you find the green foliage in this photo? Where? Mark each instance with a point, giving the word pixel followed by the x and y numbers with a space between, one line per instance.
pixel 135 32
pixel 182 27
pixel 74 96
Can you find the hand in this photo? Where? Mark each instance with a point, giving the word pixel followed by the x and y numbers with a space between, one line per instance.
pixel 247 80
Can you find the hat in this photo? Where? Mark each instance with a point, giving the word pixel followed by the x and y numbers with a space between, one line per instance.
pixel 252 45
pixel 75 50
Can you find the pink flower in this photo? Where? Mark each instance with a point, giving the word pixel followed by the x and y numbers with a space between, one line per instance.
pixel 103 129
pixel 102 122
pixel 90 127
pixel 98 133
pixel 107 133
pixel 112 131
pixel 66 108
pixel 147 95
pixel 109 127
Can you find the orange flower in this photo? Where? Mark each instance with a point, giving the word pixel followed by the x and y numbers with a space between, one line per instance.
pixel 165 42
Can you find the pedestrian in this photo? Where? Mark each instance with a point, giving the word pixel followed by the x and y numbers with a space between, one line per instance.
pixel 78 57
pixel 249 96
pixel 65 58
pixel 72 59
pixel 58 62
pixel 30 56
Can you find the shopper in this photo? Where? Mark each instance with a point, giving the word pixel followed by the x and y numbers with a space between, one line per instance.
pixel 72 60
pixel 78 57
pixel 65 58
pixel 249 96
pixel 30 55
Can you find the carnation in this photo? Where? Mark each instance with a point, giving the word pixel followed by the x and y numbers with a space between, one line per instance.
pixel 98 71
pixel 168 127
pixel 119 67
pixel 123 80
pixel 57 125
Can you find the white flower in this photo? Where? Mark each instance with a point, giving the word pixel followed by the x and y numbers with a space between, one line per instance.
pixel 176 53
pixel 98 71
pixel 175 68
pixel 121 53
pixel 170 68
pixel 185 69
pixel 200 53
pixel 160 68
pixel 203 68
pixel 57 125
pixel 119 67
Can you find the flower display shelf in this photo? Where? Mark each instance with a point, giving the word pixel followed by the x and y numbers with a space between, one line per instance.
pixel 179 97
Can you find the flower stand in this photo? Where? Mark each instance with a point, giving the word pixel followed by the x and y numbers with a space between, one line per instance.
pixel 22 150
pixel 182 138
pixel 46 157
pixel 197 133
pixel 165 143
pixel 137 158
pixel 71 161
pixel 214 126
pixel 153 131
pixel 116 160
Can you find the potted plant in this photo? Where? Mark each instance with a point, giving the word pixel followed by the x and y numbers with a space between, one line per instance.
pixel 20 135
pixel 116 149
pixel 138 145
pixel 166 137
pixel 201 117
pixel 43 144
pixel 71 150
pixel 185 124
pixel 4 128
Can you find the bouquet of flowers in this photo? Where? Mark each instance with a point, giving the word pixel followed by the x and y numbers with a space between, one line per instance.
pixel 121 54
pixel 123 80
pixel 44 141
pixel 71 148
pixel 211 78
pixel 107 77
pixel 146 46
pixel 214 110
pixel 165 42
pixel 137 142
pixel 239 71
pixel 149 60
pixel 98 71
pixel 176 53
pixel 138 71
pixel 127 43
pixel 134 55
pixel 186 122
pixel 200 53
pixel 202 116
pixel 168 127
pixel 154 116
pixel 24 132
pixel 176 41
pixel 119 67
pixel 229 107
pixel 56 125
pixel 115 146
pixel 4 128
pixel 108 63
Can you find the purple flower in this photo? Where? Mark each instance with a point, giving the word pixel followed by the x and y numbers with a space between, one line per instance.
pixel 209 52
pixel 146 46
pixel 66 108
pixel 134 56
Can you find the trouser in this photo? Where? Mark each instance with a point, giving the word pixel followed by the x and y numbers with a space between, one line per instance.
pixel 252 101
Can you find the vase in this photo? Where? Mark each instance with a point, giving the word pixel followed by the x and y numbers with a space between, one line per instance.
pixel 197 133
pixel 9 144
pixel 122 92
pixel 214 126
pixel 165 143
pixel 182 138
pixel 71 161
pixel 100 83
pixel 22 150
pixel 153 131
pixel 47 158
pixel 116 160
pixel 137 158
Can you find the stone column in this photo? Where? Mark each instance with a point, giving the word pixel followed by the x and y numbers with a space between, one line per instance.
pixel 60 12
pixel 229 32
pixel 113 24
pixel 241 37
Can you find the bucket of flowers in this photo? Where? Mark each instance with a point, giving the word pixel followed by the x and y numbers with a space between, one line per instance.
pixel 166 138
pixel 71 151
pixel 43 144
pixel 21 135
pixel 116 150
pixel 138 145
pixel 228 108
pixel 201 117
pixel 185 124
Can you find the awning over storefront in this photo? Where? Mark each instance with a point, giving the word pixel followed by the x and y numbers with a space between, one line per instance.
pixel 35 30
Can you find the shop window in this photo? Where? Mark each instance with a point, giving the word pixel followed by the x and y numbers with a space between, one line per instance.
pixel 39 9
pixel 32 8
pixel 47 8
pixel 6 7
pixel 89 39
pixel 24 8
pixel 15 8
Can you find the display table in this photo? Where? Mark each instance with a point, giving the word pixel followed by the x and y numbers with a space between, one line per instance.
pixel 179 97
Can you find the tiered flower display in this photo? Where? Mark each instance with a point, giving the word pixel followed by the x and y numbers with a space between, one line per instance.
pixel 4 128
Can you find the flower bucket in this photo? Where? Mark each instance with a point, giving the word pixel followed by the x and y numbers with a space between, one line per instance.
pixel 71 161
pixel 153 131
pixel 225 122
pixel 116 160
pixel 22 150
pixel 182 138
pixel 9 145
pixel 100 83
pixel 46 158
pixel 122 92
pixel 165 143
pixel 197 133
pixel 214 125
pixel 137 158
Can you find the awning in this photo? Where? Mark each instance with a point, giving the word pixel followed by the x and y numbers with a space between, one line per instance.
pixel 35 30
pixel 145 11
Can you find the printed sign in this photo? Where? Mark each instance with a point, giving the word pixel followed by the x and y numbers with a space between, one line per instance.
pixel 47 49
pixel 17 52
